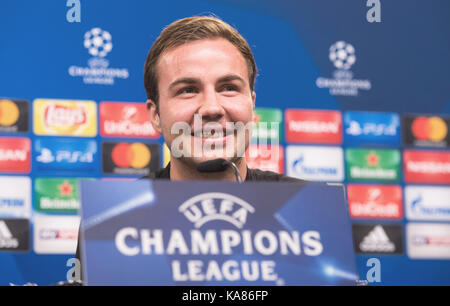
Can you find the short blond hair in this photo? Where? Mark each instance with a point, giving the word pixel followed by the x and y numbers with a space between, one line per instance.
pixel 188 30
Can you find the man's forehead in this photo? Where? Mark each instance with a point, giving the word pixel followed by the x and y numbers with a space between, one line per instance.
pixel 202 56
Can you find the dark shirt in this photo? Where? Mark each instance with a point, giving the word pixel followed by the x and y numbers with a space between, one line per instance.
pixel 252 175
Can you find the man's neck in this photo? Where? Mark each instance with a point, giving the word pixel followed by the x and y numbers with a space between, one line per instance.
pixel 181 170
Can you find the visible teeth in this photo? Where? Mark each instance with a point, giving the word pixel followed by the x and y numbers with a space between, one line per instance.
pixel 211 135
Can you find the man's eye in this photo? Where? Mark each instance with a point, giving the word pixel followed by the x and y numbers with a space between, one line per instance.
pixel 229 87
pixel 187 90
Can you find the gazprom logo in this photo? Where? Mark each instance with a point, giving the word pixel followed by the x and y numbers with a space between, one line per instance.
pixel 212 206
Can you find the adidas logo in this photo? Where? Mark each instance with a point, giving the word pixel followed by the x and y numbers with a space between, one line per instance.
pixel 7 241
pixel 377 241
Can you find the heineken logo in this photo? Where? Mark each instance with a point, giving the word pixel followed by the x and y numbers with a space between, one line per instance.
pixel 376 165
pixel 56 195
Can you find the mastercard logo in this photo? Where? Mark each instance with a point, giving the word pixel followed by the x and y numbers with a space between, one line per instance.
pixel 135 155
pixel 9 112
pixel 432 128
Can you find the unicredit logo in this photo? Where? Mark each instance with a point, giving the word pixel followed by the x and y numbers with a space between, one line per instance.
pixel 128 128
pixel 216 206
pixel 375 201
pixel 60 115
pixel 125 120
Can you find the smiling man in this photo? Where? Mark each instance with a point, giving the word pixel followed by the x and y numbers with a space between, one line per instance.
pixel 200 76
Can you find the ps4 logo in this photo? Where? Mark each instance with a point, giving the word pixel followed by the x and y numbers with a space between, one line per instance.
pixel 371 128
pixel 46 156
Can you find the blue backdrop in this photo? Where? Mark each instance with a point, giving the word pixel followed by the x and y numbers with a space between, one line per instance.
pixel 404 58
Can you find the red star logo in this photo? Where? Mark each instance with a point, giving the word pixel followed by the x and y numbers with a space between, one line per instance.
pixel 65 189
pixel 372 159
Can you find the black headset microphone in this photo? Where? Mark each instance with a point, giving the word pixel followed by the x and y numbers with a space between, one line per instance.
pixel 219 165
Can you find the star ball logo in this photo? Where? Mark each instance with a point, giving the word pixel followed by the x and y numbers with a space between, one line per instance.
pixel 343 57
pixel 98 43
pixel 216 206
pixel 130 158
pixel 13 116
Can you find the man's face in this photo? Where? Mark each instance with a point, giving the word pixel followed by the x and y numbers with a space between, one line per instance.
pixel 204 84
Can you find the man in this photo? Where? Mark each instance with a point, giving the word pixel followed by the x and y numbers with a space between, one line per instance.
pixel 200 75
pixel 201 70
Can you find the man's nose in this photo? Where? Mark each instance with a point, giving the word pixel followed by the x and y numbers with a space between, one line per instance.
pixel 211 107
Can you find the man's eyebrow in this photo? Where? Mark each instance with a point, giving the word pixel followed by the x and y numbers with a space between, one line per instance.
pixel 183 81
pixel 230 77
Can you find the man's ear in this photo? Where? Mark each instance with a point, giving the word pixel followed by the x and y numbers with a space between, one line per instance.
pixel 253 98
pixel 153 115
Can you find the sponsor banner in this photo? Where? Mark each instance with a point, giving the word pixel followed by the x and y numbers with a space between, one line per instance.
pixel 428 240
pixel 56 195
pixel 371 128
pixel 427 203
pixel 14 235
pixel 166 155
pixel 130 158
pixel 315 163
pixel 68 156
pixel 426 167
pixel 15 155
pixel 56 234
pixel 372 165
pixel 15 197
pixel 65 117
pixel 426 131
pixel 14 115
pixel 383 239
pixel 313 126
pixel 267 125
pixel 267 158
pixel 375 201
pixel 125 120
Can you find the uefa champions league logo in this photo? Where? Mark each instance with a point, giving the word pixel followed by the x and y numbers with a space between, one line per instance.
pixel 98 43
pixel 342 55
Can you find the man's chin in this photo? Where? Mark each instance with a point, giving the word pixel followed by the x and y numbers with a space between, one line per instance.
pixel 193 162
